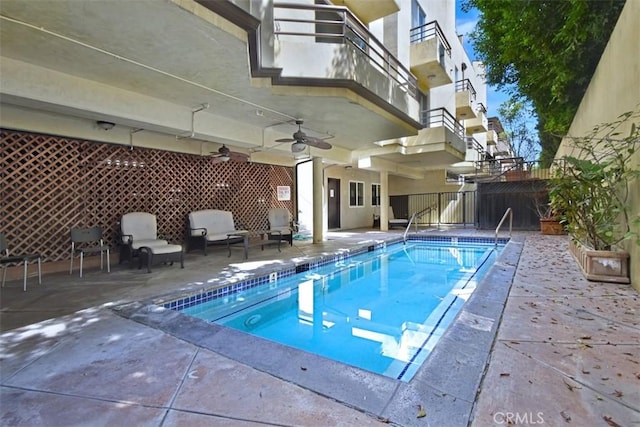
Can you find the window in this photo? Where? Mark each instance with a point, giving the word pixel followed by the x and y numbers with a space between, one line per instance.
pixel 356 193
pixel 418 17
pixel 424 109
pixel 375 194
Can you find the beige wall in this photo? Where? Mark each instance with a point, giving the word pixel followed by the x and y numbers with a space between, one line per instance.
pixel 433 182
pixel 354 217
pixel 614 90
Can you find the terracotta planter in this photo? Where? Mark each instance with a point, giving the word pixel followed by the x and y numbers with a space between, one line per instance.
pixel 601 266
pixel 551 226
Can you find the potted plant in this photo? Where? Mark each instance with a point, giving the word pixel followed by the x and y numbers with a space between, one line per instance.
pixel 591 188
pixel 550 219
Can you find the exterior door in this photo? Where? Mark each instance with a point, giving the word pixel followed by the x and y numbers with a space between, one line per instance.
pixel 333 206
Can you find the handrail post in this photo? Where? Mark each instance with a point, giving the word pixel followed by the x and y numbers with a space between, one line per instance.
pixel 404 236
pixel 510 213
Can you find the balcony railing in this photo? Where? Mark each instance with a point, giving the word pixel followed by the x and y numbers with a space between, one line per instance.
pixel 427 31
pixel 481 108
pixel 462 85
pixel 513 168
pixel 473 144
pixel 441 117
pixel 336 24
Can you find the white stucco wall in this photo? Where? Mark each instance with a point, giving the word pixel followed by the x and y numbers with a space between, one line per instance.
pixel 614 90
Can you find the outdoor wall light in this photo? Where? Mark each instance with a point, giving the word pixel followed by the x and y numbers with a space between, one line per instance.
pixel 105 125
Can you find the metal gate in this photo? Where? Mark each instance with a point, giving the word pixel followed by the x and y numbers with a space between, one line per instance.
pixel 447 208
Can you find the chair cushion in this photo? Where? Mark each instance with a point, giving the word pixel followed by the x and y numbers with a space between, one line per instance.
pixel 394 220
pixel 137 244
pixel 165 249
pixel 283 230
pixel 225 236
pixel 391 215
pixel 140 225
pixel 279 217
pixel 217 223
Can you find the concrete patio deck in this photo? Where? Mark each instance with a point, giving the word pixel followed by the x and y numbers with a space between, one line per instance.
pixel 94 351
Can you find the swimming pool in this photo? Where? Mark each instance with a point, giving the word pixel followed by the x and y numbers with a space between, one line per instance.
pixel 382 311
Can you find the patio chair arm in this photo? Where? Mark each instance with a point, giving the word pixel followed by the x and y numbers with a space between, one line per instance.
pixel 204 230
pixel 129 239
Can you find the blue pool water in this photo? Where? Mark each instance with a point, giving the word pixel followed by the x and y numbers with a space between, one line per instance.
pixel 381 311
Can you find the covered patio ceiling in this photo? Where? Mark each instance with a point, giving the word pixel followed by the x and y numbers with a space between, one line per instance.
pixel 171 67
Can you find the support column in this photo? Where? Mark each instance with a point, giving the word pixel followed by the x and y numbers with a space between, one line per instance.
pixel 384 201
pixel 318 200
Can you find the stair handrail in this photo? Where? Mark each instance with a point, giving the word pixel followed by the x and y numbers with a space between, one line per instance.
pixel 507 212
pixel 417 214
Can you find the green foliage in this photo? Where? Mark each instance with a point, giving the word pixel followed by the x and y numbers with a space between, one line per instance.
pixel 545 51
pixel 592 188
pixel 515 117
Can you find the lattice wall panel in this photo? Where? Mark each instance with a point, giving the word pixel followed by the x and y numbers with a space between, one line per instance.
pixel 50 184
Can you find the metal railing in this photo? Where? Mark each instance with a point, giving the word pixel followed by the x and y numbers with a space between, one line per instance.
pixel 336 24
pixel 462 85
pixel 473 144
pixel 428 31
pixel 442 208
pixel 502 167
pixel 509 212
pixel 441 117
pixel 413 217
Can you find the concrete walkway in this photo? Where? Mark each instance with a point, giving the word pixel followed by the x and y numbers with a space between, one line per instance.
pixel 567 351
pixel 92 352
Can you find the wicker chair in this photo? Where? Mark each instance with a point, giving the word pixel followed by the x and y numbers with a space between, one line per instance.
pixel 280 221
pixel 138 229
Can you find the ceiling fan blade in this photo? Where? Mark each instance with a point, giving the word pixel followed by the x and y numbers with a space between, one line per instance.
pixel 317 143
pixel 285 140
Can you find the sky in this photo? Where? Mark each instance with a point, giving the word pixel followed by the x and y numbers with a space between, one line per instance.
pixel 465 24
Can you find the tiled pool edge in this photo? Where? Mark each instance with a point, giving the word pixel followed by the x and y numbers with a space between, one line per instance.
pixel 451 376
pixel 203 295
pixel 448 394
pixel 206 294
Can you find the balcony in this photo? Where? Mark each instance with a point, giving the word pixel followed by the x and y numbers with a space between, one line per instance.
pixel 442 138
pixel 367 10
pixel 474 149
pixel 327 46
pixel 465 98
pixel 503 147
pixel 479 123
pixel 439 144
pixel 492 137
pixel 430 56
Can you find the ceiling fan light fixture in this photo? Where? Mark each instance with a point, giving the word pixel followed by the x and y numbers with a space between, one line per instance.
pixel 298 146
pixel 225 157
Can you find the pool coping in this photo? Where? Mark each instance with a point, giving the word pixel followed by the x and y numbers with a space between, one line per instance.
pixel 446 384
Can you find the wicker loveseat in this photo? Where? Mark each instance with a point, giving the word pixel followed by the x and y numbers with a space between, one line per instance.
pixel 211 227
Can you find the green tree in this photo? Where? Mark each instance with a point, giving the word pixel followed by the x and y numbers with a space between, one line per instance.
pixel 545 51
pixel 515 117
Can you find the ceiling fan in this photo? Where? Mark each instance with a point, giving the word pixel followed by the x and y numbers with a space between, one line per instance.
pixel 301 140
pixel 224 155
